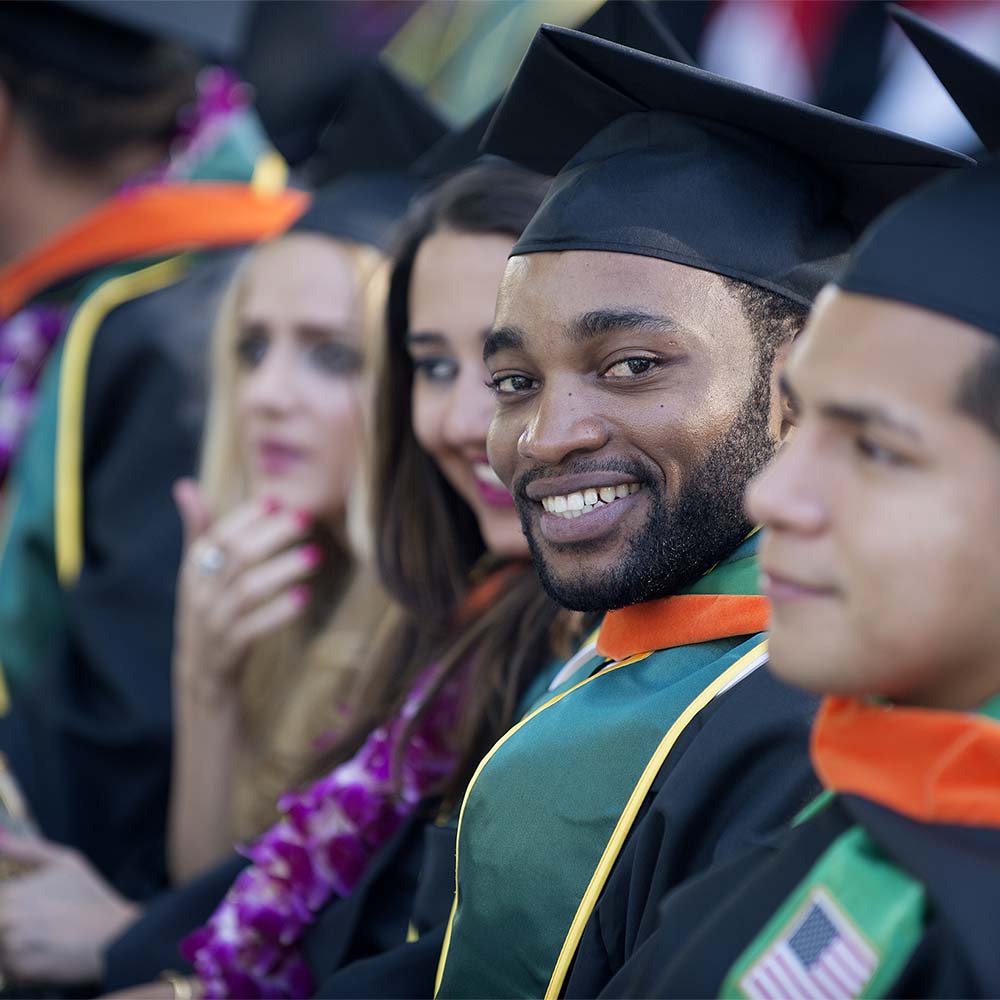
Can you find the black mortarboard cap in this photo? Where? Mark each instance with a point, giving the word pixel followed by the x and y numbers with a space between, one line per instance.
pixel 118 45
pixel 363 169
pixel 972 82
pixel 939 249
pixel 628 22
pixel 665 160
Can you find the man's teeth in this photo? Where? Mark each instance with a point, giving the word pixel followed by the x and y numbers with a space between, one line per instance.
pixel 585 501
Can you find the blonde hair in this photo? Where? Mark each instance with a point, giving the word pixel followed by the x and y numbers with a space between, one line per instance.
pixel 293 681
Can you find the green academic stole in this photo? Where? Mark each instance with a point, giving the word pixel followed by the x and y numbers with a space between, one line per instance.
pixel 854 921
pixel 549 808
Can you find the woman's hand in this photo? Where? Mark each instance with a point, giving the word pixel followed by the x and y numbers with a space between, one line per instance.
pixel 57 919
pixel 241 579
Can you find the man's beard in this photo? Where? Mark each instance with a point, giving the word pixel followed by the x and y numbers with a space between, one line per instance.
pixel 682 540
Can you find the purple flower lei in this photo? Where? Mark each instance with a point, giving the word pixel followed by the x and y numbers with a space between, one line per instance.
pixel 320 848
pixel 26 340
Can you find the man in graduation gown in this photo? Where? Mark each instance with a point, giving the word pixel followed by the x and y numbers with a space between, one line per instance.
pixel 638 330
pixel 879 554
pixel 113 257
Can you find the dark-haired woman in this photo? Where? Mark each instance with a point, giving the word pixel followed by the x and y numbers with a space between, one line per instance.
pixel 358 865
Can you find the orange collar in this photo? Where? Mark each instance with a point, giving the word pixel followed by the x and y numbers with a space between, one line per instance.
pixel 159 219
pixel 680 621
pixel 933 766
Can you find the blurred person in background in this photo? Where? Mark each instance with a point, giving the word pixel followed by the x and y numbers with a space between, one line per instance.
pixel 123 202
pixel 843 55
pixel 358 866
pixel 880 555
pixel 266 634
pixel 274 608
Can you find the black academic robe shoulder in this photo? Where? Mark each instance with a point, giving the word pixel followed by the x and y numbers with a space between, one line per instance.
pixel 386 938
pixel 740 771
pixel 706 924
pixel 150 945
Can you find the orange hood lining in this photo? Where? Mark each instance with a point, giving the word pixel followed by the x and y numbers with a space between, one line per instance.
pixel 933 766
pixel 161 219
pixel 682 620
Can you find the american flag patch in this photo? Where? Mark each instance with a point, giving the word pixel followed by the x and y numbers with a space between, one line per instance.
pixel 819 955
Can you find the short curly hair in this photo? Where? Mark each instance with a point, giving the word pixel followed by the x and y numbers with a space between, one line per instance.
pixel 774 319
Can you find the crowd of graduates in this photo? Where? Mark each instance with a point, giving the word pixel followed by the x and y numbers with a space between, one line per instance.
pixel 555 557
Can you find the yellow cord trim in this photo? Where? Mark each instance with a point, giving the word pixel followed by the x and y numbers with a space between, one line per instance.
pixel 72 393
pixel 270 173
pixel 4 693
pixel 627 818
pixel 503 739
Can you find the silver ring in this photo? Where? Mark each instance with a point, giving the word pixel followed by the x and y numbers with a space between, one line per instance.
pixel 209 558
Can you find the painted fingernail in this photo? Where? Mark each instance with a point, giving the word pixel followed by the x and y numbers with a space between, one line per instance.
pixel 271 506
pixel 312 555
pixel 304 519
pixel 301 596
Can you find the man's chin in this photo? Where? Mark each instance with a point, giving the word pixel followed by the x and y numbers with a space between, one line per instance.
pixel 580 587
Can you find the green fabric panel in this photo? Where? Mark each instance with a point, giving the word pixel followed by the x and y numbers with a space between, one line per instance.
pixel 538 690
pixel 991 709
pixel 31 601
pixel 234 155
pixel 739 574
pixel 537 820
pixel 542 810
pixel 880 903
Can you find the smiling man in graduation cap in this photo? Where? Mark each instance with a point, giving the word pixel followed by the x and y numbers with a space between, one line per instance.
pixel 123 195
pixel 691 224
pixel 880 555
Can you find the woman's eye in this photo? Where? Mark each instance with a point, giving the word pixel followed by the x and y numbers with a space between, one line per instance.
pixel 251 348
pixel 335 358
pixel 437 370
pixel 510 384
pixel 630 367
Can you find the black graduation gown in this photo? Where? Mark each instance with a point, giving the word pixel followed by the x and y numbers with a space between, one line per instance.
pixel 705 925
pixel 754 738
pixel 90 730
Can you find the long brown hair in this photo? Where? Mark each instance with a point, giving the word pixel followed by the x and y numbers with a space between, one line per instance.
pixel 429 549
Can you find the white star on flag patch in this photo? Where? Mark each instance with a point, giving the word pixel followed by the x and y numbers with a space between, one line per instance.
pixel 819 956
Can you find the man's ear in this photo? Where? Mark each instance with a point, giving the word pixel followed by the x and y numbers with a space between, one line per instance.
pixel 781 410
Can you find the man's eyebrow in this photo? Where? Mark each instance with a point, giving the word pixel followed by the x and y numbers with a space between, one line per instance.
pixel 861 415
pixel 502 338
pixel 600 322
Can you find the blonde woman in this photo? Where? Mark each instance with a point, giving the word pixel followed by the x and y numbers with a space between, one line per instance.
pixel 270 606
